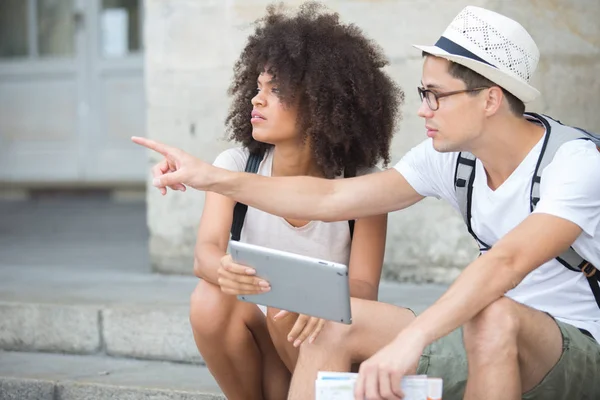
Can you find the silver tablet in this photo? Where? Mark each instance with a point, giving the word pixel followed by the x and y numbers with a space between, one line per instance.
pixel 299 284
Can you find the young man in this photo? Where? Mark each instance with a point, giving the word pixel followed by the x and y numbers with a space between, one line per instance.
pixel 520 321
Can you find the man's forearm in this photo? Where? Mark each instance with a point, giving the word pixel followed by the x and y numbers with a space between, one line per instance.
pixel 300 197
pixel 496 272
pixel 484 281
pixel 308 198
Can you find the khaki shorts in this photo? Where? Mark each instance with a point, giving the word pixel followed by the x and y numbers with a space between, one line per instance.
pixel 576 375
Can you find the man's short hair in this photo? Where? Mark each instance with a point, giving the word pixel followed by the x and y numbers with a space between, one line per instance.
pixel 473 80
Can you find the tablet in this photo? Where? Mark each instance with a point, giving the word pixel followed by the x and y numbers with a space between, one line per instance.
pixel 299 283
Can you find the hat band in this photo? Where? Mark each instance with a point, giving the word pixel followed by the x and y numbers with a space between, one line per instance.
pixel 453 48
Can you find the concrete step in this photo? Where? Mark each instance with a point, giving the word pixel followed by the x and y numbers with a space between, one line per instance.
pixel 37 376
pixel 119 313
pixel 124 314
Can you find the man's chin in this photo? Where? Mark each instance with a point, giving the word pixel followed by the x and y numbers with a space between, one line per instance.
pixel 441 147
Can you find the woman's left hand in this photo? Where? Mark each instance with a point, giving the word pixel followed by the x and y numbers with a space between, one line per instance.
pixel 305 327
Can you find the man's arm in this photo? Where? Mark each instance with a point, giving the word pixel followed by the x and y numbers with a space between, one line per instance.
pixel 570 204
pixel 311 198
pixel 291 197
pixel 538 239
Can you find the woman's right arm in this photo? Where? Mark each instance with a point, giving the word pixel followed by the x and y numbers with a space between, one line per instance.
pixel 213 236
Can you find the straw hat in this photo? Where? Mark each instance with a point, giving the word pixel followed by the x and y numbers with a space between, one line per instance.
pixel 492 45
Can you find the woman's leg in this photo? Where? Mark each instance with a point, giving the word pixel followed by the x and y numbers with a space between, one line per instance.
pixel 339 346
pixel 234 341
pixel 279 331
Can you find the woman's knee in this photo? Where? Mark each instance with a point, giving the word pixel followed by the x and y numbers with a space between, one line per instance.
pixel 333 337
pixel 210 310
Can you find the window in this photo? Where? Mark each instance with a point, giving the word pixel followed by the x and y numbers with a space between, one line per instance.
pixel 55 27
pixel 13 29
pixel 120 27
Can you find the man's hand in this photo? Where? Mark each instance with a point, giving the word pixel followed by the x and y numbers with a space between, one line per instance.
pixel 304 327
pixel 236 279
pixel 177 169
pixel 380 376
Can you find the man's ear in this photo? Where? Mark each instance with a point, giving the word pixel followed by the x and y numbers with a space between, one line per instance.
pixel 493 100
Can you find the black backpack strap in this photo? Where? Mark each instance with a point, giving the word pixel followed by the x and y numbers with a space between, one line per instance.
pixel 593 277
pixel 239 211
pixel 351 226
pixel 350 173
pixel 464 176
pixel 556 135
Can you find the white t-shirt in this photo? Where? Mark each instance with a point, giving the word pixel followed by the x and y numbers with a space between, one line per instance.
pixel 325 240
pixel 570 189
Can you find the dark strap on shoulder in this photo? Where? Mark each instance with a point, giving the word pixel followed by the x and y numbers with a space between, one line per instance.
pixel 556 135
pixel 240 209
pixel 464 176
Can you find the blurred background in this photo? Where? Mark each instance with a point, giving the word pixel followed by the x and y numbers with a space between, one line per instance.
pixel 71 93
pixel 95 263
pixel 79 77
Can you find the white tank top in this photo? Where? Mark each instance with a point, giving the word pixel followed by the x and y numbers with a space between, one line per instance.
pixel 325 240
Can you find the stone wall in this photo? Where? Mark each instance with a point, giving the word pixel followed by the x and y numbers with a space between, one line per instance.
pixel 190 49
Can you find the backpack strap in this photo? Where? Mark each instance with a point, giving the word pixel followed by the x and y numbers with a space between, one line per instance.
pixel 556 135
pixel 240 209
pixel 570 259
pixel 464 176
pixel 350 173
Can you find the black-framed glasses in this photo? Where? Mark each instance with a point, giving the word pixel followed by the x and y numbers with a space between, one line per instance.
pixel 433 98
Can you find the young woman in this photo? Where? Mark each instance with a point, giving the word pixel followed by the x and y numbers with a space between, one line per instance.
pixel 310 97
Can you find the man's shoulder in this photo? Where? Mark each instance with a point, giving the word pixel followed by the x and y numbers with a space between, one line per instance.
pixel 578 148
pixel 429 172
pixel 578 158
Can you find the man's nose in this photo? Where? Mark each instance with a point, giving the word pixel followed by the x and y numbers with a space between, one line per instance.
pixel 424 110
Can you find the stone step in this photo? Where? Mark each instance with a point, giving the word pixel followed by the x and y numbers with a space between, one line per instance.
pixel 119 313
pixel 39 376
pixel 124 314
